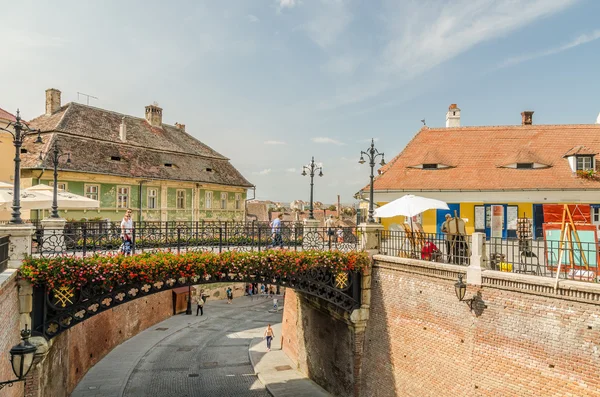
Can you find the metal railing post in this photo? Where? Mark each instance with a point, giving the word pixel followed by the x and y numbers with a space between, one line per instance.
pixel 220 239
pixel 258 238
pixel 178 239
pixel 133 241
pixel 84 232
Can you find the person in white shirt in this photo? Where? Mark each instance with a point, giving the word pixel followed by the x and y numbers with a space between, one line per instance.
pixel 126 233
pixel 276 232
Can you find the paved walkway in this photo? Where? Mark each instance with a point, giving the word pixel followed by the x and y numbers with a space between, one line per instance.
pixel 276 371
pixel 201 356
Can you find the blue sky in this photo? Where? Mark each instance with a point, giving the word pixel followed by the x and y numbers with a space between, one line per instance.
pixel 270 83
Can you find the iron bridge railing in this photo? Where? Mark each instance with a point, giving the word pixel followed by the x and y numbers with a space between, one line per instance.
pixel 88 238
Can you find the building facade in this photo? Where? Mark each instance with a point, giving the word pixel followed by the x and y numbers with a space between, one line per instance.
pixel 514 170
pixel 159 171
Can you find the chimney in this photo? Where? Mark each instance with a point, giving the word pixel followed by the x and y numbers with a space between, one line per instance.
pixel 339 207
pixel 123 130
pixel 180 126
pixel 453 116
pixel 52 101
pixel 154 115
pixel 527 117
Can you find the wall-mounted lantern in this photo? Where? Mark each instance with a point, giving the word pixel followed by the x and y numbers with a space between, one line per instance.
pixel 21 358
pixel 460 288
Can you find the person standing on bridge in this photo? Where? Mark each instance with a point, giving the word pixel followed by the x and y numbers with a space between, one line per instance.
pixel 269 335
pixel 276 232
pixel 126 233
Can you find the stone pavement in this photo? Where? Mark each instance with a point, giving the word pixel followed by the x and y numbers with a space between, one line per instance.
pixel 277 372
pixel 201 356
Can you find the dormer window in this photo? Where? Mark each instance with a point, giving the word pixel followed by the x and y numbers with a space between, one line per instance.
pixel 524 166
pixel 430 166
pixel 584 163
pixel 115 158
pixel 209 170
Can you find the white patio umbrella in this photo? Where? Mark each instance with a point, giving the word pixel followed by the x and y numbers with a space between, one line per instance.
pixel 64 199
pixel 29 200
pixel 4 185
pixel 410 206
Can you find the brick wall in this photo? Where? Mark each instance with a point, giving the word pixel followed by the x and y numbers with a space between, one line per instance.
pixel 9 332
pixel 421 341
pixel 321 345
pixel 75 351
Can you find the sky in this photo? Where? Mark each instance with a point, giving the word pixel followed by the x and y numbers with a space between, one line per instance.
pixel 272 83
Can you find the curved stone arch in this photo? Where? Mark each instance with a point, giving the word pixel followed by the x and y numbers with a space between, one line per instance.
pixel 58 310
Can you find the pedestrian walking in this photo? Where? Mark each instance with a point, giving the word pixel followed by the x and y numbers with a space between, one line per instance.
pixel 276 232
pixel 229 295
pixel 126 233
pixel 200 303
pixel 275 304
pixel 269 335
pixel 262 289
pixel 271 292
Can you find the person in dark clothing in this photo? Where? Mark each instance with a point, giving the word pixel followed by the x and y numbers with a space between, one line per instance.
pixel 200 302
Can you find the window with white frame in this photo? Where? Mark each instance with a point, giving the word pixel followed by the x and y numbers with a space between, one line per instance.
pixel 152 194
pixel 59 185
pixel 208 200
pixel 584 163
pixel 223 200
pixel 123 197
pixel 238 201
pixel 92 191
pixel 180 199
pixel 596 215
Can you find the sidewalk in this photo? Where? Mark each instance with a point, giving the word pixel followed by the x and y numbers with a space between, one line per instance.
pixel 277 372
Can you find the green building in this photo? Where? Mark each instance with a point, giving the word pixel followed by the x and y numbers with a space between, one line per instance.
pixel 159 171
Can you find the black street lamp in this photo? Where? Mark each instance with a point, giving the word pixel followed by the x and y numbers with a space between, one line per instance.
pixel 21 358
pixel 311 168
pixel 56 155
pixel 19 131
pixel 372 155
pixel 188 309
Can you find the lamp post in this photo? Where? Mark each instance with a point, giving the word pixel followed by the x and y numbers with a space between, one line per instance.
pixel 19 131
pixel 21 358
pixel 311 168
pixel 372 155
pixel 56 156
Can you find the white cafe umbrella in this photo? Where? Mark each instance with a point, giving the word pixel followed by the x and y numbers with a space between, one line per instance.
pixel 410 206
pixel 64 199
pixel 29 200
pixel 4 185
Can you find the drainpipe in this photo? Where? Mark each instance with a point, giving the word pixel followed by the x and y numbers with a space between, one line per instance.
pixel 140 200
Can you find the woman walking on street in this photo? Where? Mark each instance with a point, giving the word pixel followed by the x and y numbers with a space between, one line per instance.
pixel 269 335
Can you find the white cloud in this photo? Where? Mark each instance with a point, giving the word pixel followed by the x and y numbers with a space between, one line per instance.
pixel 330 21
pixel 323 139
pixel 292 170
pixel 583 39
pixel 286 3
pixel 420 35
pixel 274 143
pixel 266 171
pixel 252 18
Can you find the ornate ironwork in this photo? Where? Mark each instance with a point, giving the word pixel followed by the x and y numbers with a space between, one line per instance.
pixel 57 310
pixel 89 238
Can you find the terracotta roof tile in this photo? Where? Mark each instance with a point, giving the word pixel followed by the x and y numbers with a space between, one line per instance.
pixel 4 115
pixel 479 154
pixel 92 136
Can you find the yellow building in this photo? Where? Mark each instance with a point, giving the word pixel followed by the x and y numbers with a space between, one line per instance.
pixel 509 170
pixel 159 171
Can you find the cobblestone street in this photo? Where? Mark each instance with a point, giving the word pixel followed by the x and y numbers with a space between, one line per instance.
pixel 187 355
